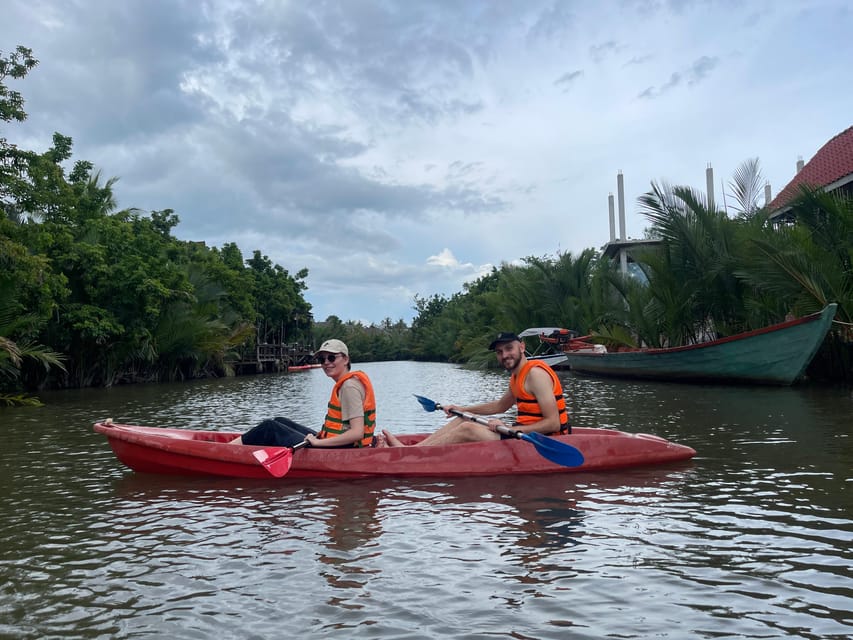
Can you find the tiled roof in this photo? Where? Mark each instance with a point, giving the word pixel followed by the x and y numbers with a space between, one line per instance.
pixel 832 163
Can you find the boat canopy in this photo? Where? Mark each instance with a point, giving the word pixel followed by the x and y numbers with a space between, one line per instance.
pixel 549 334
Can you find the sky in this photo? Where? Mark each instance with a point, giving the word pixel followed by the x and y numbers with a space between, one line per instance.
pixel 403 148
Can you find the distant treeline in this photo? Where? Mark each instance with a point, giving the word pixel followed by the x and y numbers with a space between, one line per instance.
pixel 95 296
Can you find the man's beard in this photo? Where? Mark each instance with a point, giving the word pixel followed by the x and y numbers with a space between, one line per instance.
pixel 510 362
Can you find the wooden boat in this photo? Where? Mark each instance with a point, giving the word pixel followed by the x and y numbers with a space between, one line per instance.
pixel 775 355
pixel 189 452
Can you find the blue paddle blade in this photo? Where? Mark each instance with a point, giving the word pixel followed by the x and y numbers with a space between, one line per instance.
pixel 426 403
pixel 554 450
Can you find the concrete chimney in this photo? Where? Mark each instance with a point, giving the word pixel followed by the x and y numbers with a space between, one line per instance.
pixel 620 194
pixel 612 217
pixel 800 163
pixel 767 197
pixel 709 185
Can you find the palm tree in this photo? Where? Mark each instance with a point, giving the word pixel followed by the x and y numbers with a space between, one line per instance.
pixel 809 263
pixel 14 354
pixel 692 287
pixel 746 186
pixel 199 334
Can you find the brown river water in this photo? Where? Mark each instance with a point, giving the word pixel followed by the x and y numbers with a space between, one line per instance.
pixel 751 539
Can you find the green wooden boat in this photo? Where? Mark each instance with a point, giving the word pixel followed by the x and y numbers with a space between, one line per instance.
pixel 774 355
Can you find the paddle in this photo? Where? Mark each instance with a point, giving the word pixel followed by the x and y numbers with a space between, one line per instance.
pixel 554 450
pixel 278 460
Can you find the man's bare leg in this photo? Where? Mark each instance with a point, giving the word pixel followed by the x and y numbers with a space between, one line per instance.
pixel 455 431
pixel 429 440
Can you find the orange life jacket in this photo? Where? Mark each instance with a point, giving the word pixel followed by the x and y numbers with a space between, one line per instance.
pixel 529 410
pixel 334 424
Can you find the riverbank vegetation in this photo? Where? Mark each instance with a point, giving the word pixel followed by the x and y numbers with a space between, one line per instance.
pixel 94 295
pixel 711 275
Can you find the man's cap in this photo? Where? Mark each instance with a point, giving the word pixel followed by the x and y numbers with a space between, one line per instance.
pixel 503 336
pixel 334 346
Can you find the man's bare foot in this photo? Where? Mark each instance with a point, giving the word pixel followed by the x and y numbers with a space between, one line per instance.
pixel 391 439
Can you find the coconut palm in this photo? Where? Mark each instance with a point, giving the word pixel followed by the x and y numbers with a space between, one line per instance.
pixel 547 291
pixel 809 263
pixel 198 335
pixel 692 287
pixel 746 185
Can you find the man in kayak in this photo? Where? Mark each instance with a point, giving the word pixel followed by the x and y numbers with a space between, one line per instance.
pixel 350 418
pixel 533 387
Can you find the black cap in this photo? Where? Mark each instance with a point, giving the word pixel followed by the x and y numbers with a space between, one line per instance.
pixel 504 336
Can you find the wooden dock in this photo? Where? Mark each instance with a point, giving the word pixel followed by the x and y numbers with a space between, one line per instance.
pixel 269 357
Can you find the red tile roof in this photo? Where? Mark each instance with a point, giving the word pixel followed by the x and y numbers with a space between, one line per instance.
pixel 832 163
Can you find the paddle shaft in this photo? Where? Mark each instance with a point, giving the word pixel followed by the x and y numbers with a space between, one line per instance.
pixel 484 421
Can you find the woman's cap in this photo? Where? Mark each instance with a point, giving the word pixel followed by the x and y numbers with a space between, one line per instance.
pixel 334 346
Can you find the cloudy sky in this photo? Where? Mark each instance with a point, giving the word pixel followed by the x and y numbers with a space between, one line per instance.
pixel 403 147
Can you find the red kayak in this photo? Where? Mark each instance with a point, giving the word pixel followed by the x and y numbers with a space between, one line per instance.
pixel 188 452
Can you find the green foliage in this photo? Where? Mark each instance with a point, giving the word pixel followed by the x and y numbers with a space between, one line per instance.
pixel 432 336
pixel 692 285
pixel 387 341
pixel 115 292
pixel 14 65
pixel 747 185
pixel 710 276
pixel 808 264
pixel 18 400
pixel 17 351
pixel 197 336
pixel 282 313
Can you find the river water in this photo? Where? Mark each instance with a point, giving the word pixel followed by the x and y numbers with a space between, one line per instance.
pixel 751 539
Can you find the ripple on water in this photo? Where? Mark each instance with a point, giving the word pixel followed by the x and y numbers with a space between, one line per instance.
pixel 751 540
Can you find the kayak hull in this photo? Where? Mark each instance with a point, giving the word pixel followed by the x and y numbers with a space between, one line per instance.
pixel 191 452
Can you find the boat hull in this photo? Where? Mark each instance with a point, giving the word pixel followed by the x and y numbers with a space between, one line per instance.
pixel 189 452
pixel 551 359
pixel 774 355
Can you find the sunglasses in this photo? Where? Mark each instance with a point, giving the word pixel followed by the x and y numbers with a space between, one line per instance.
pixel 330 357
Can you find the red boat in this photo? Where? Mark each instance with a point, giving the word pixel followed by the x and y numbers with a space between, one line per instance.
pixel 188 452
pixel 303 367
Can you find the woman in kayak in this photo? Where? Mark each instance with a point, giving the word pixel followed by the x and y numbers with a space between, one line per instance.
pixel 350 417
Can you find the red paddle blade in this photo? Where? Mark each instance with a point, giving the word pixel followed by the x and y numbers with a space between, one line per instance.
pixel 276 461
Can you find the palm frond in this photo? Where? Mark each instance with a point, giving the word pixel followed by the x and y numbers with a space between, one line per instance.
pixel 747 185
